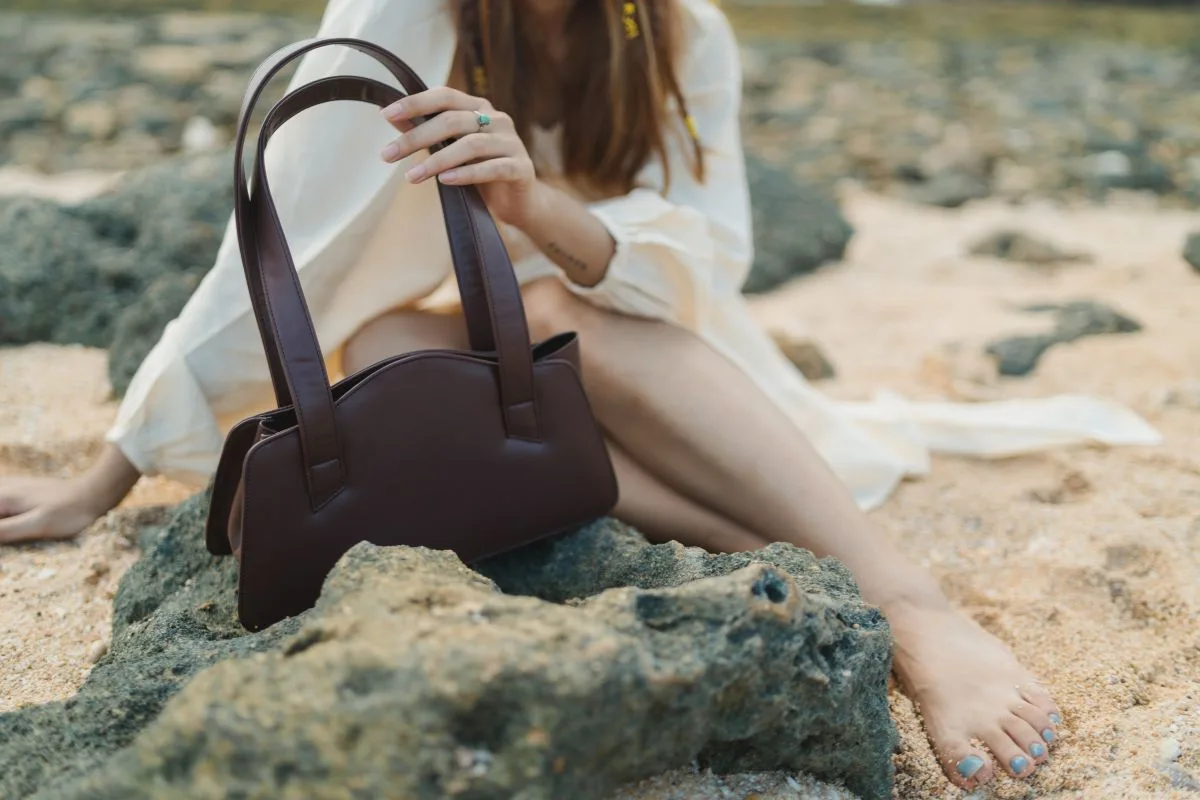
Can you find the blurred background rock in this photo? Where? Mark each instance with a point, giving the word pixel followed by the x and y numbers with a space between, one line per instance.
pixel 939 103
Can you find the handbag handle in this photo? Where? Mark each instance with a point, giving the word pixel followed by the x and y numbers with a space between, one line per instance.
pixel 490 293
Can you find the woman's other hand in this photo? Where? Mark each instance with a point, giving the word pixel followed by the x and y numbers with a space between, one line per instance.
pixel 60 508
pixel 488 153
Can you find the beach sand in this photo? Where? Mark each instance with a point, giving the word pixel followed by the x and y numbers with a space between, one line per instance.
pixel 1084 560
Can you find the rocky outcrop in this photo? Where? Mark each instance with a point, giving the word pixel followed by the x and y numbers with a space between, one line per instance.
pixel 1191 251
pixel 1019 355
pixel 797 227
pixel 112 271
pixel 563 670
pixel 1024 248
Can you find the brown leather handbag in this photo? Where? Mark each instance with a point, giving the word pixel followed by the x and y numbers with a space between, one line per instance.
pixel 477 451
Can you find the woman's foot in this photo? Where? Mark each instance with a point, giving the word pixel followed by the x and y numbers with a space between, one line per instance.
pixel 970 690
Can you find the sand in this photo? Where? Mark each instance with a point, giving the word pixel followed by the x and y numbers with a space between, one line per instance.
pixel 1084 560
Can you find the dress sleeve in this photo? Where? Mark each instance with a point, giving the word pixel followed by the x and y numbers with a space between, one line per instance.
pixel 209 369
pixel 676 252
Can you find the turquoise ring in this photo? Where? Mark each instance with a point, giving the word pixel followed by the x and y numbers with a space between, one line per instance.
pixel 484 120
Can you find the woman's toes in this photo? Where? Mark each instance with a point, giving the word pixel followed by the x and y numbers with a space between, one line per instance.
pixel 967 768
pixel 1037 696
pixel 1042 730
pixel 1013 757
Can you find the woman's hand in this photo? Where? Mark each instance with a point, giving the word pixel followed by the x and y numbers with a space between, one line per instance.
pixel 43 508
pixel 488 153
pixel 59 508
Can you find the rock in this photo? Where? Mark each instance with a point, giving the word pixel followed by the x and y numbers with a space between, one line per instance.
pixel 170 217
pixel 200 136
pixel 173 63
pixel 21 114
pixel 1109 168
pixel 805 354
pixel 1019 355
pixel 1014 245
pixel 1181 778
pixel 606 660
pixel 1169 751
pixel 687 784
pixel 94 120
pixel 166 628
pixel 51 289
pixel 88 272
pixel 204 28
pixel 1086 318
pixel 97 651
pixel 950 189
pixel 1126 166
pixel 796 227
pixel 1191 251
pixel 140 326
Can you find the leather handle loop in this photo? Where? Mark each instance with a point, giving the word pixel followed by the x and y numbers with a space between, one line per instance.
pixel 490 293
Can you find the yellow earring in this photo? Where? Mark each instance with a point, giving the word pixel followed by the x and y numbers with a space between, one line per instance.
pixel 629 18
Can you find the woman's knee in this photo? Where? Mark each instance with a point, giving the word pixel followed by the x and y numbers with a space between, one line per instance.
pixel 551 308
pixel 401 332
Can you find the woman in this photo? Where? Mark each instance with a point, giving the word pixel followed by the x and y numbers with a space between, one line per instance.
pixel 604 137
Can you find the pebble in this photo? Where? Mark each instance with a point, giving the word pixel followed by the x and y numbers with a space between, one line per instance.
pixel 97 651
pixel 1191 251
pixel 806 355
pixel 1169 750
pixel 200 135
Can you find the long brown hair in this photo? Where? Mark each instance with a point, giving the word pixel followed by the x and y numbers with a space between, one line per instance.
pixel 618 82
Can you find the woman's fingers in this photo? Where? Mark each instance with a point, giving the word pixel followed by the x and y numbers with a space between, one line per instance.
pixel 468 150
pixel 446 125
pixel 497 169
pixel 431 101
pixel 22 527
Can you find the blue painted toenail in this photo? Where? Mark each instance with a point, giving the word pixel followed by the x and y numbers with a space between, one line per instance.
pixel 1037 749
pixel 1019 764
pixel 1048 735
pixel 1055 719
pixel 969 766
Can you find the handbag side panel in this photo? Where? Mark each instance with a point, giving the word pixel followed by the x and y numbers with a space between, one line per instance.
pixel 227 484
pixel 427 463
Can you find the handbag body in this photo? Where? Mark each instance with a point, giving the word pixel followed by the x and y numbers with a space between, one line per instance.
pixel 478 451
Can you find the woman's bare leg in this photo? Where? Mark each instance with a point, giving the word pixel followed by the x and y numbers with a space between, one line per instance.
pixel 702 428
pixel 658 512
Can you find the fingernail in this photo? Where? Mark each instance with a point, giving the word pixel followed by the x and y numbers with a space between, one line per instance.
pixel 969 766
pixel 1019 764
pixel 1048 735
pixel 416 173
pixel 449 176
pixel 1037 749
pixel 1055 719
pixel 391 152
pixel 394 110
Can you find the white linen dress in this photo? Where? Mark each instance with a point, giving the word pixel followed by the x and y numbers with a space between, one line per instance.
pixel 365 242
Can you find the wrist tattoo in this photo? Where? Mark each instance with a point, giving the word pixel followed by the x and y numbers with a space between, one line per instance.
pixel 573 261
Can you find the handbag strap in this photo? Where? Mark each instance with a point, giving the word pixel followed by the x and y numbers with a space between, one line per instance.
pixel 490 293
